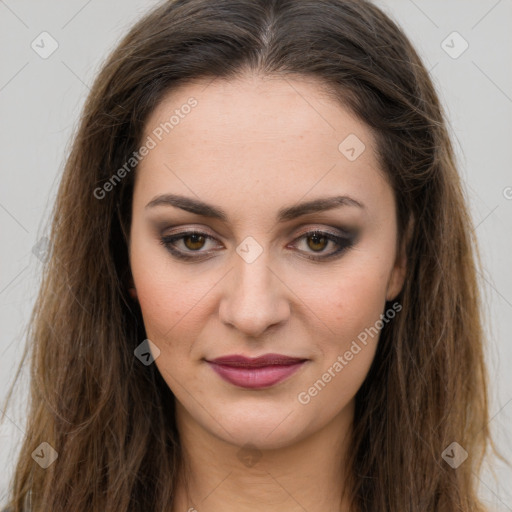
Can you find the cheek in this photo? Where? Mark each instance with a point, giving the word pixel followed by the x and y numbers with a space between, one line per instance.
pixel 351 309
pixel 170 310
pixel 356 297
pixel 171 313
pixel 167 299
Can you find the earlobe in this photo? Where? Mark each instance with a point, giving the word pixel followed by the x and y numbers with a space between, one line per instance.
pixel 397 279
pixel 131 288
pixel 398 274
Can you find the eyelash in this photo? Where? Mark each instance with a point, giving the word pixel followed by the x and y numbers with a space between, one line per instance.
pixel 343 242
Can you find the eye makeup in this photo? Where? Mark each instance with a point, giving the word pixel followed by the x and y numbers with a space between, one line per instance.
pixel 193 241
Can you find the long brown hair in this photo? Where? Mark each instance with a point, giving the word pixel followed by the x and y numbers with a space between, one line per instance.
pixel 110 418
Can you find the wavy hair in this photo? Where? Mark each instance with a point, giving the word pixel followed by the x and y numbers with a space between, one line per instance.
pixel 111 419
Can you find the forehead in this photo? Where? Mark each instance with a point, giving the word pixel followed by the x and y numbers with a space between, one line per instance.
pixel 255 135
pixel 252 106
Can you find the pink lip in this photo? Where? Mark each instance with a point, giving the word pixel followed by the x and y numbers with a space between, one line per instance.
pixel 258 372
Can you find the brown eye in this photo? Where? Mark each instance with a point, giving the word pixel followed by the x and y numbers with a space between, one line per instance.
pixel 196 240
pixel 190 242
pixel 319 242
pixel 314 242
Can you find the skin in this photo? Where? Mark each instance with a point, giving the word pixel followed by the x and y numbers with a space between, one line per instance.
pixel 252 146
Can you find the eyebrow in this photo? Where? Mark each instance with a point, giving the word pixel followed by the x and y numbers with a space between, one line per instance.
pixel 284 214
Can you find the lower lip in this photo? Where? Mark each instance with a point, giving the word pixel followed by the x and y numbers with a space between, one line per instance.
pixel 255 378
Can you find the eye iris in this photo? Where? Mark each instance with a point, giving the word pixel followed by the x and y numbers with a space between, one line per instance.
pixel 195 237
pixel 317 237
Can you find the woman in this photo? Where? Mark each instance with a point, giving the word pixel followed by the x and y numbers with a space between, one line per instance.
pixel 261 292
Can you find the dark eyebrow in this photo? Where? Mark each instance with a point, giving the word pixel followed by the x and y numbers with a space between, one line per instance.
pixel 285 214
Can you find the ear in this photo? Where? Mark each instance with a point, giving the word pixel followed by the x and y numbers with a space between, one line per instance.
pixel 131 288
pixel 399 271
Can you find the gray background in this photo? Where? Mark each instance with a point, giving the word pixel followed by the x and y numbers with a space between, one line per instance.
pixel 41 99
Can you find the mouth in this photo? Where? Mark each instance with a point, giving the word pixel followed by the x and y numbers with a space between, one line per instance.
pixel 256 373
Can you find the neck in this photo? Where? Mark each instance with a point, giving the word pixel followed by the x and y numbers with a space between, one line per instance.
pixel 308 474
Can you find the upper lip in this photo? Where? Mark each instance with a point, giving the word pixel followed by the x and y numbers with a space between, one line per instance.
pixel 256 362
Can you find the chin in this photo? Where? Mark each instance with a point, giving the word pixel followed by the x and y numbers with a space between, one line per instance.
pixel 276 428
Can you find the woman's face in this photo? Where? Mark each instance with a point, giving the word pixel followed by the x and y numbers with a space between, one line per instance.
pixel 246 164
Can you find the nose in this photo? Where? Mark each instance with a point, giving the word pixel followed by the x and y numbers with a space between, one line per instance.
pixel 255 297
